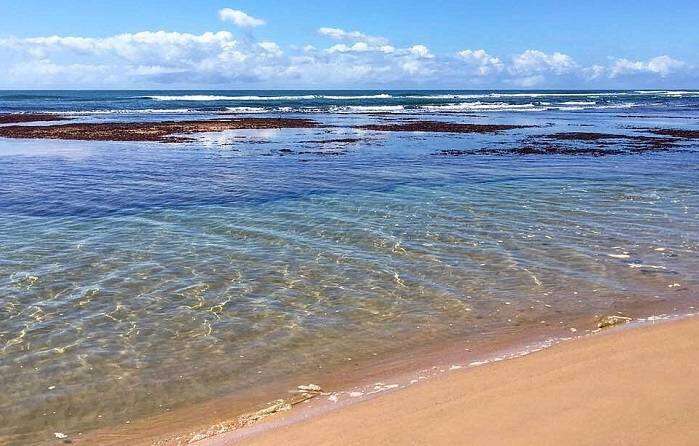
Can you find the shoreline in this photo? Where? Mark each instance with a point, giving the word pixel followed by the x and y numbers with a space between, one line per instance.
pixel 596 378
pixel 365 380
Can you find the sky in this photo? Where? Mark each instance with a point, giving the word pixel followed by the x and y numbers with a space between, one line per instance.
pixel 272 44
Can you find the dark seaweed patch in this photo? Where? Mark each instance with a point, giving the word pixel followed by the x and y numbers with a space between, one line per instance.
pixel 334 141
pixel 676 133
pixel 12 118
pixel 166 131
pixel 580 144
pixel 440 127
pixel 532 150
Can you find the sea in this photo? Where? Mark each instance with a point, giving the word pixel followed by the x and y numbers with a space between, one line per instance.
pixel 140 281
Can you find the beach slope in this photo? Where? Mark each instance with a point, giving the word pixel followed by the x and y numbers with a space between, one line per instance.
pixel 626 387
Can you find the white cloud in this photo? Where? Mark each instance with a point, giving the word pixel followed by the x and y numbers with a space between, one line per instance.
pixel 420 51
pixel 159 57
pixel 661 65
pixel 271 48
pixel 351 36
pixel 484 63
pixel 169 59
pixel 340 34
pixel 358 42
pixel 239 18
pixel 213 58
pixel 594 72
pixel 146 47
pixel 533 62
pixel 359 47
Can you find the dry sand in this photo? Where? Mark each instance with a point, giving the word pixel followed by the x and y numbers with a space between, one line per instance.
pixel 625 387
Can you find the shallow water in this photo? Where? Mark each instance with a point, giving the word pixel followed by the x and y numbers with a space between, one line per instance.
pixel 140 277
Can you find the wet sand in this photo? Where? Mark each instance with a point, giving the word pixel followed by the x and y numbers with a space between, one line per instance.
pixel 622 386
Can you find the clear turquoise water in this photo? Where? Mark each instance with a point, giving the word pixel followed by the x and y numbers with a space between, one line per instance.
pixel 136 277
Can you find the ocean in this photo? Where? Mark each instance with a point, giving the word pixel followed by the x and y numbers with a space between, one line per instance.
pixel 139 280
pixel 345 102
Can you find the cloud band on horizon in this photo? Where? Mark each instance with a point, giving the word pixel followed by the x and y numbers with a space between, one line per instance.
pixel 173 59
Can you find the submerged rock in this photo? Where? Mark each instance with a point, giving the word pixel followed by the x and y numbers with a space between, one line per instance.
pixel 162 131
pixel 612 320
pixel 305 392
pixel 310 388
pixel 677 133
pixel 440 127
pixel 11 118
pixel 334 141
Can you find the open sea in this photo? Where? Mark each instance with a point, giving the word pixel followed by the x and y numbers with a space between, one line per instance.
pixel 139 279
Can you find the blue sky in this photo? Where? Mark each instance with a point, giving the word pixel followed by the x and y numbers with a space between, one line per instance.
pixel 342 44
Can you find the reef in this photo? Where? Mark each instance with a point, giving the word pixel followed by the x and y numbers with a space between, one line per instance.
pixel 12 118
pixel 440 127
pixel 165 131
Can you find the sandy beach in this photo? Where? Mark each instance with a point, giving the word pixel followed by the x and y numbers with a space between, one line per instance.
pixel 622 386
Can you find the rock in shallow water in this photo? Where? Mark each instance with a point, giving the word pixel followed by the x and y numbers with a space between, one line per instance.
pixel 310 388
pixel 612 320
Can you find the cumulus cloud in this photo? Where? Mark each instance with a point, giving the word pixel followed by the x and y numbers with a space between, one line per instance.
pixel 144 47
pixel 271 47
pixel 484 63
pixel 420 51
pixel 359 47
pixel 661 65
pixel 212 58
pixel 239 18
pixel 156 57
pixel 533 62
pixel 594 72
pixel 351 58
pixel 351 36
pixel 357 42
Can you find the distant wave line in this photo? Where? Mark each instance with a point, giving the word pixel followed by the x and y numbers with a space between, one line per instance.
pixel 260 98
